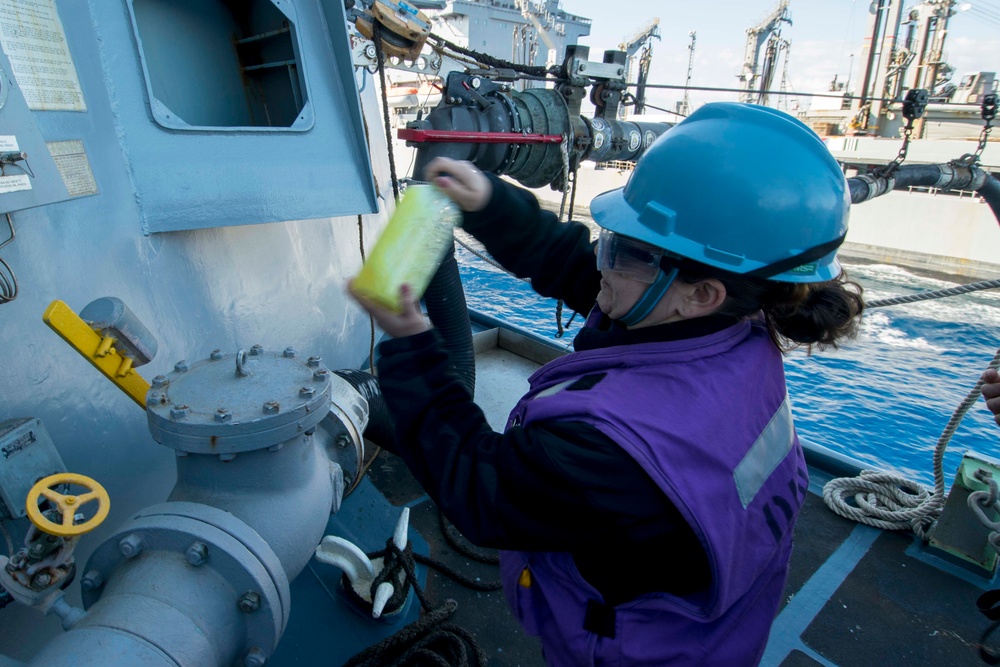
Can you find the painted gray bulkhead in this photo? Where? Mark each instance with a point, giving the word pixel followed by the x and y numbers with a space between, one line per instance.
pixel 277 284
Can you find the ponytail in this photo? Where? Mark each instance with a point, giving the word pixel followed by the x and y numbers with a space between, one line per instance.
pixel 821 314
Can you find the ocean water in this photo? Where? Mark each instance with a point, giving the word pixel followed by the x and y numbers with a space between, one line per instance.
pixel 883 398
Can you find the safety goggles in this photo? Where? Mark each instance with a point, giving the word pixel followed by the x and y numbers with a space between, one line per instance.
pixel 637 260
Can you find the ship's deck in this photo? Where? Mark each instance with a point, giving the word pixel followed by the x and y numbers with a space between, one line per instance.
pixel 856 596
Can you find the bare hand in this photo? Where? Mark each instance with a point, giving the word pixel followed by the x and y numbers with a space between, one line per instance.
pixel 991 392
pixel 461 181
pixel 410 321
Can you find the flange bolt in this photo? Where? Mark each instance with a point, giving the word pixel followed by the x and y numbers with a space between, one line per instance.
pixel 250 602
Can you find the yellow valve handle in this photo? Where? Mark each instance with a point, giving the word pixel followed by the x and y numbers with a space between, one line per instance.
pixel 97 350
pixel 67 504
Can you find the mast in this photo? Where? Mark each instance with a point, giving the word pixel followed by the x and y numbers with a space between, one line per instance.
pixel 686 104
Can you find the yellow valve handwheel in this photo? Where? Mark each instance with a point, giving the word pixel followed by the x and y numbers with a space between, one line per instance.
pixel 68 505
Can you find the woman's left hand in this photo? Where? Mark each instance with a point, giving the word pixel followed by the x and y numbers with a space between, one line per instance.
pixel 409 322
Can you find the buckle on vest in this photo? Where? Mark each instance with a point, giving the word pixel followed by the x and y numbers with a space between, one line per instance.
pixel 600 619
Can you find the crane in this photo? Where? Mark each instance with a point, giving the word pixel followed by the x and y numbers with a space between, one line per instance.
pixel 532 12
pixel 686 104
pixel 767 31
pixel 640 39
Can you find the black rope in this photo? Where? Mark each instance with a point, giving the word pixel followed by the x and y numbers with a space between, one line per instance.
pixel 380 57
pixel 428 640
pixel 560 328
pixel 486 59
pixel 462 545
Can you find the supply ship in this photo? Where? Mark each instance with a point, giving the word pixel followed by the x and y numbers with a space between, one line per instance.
pixel 190 471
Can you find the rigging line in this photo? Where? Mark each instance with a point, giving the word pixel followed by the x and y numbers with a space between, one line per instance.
pixel 869 98
pixel 847 34
pixel 483 255
pixel 712 89
pixel 676 113
pixel 371 318
pixel 487 59
pixel 380 59
pixel 934 294
pixel 991 19
pixel 982 13
pixel 984 10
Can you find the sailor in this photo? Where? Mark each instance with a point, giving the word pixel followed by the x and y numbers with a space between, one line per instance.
pixel 645 489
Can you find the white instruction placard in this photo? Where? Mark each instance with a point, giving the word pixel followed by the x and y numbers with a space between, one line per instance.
pixel 74 167
pixel 8 143
pixel 14 183
pixel 35 43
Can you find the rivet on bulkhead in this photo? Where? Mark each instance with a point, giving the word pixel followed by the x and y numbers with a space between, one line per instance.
pixel 313 362
pixel 256 350
pixel 160 381
pixel 289 352
pixel 272 408
pixel 131 545
pixel 181 366
pixel 217 355
pixel 223 415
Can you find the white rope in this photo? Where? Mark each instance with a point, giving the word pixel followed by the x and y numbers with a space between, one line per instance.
pixel 978 501
pixel 892 502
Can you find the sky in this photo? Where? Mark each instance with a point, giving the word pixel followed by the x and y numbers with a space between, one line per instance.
pixel 824 35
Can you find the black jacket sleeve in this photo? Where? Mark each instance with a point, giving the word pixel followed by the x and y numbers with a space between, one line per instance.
pixel 531 243
pixel 554 486
pixel 529 488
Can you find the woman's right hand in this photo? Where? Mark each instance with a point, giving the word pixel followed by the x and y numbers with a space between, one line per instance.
pixel 461 181
pixel 991 392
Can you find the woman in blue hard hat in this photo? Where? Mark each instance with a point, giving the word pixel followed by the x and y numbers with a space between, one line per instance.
pixel 645 489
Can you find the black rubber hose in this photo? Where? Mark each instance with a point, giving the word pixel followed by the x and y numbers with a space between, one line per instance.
pixel 869 186
pixel 446 306
pixel 381 428
pixel 990 191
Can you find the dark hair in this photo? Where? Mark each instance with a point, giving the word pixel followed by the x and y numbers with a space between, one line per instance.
pixel 820 314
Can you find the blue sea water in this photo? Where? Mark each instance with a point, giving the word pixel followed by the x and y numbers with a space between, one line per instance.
pixel 883 398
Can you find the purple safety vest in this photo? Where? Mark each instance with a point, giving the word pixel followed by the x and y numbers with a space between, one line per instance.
pixel 709 419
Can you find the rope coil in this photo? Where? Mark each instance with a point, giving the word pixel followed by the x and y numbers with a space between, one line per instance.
pixel 890 501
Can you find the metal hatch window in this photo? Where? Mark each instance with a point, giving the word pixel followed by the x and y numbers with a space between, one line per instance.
pixel 222 64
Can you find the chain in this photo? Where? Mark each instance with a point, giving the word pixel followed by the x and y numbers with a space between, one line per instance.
pixel 988 112
pixel 913 108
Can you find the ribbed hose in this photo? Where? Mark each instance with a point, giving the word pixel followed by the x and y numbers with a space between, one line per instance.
pixel 381 428
pixel 990 191
pixel 445 301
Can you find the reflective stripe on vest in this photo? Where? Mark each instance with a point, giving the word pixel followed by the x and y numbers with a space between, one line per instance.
pixel 766 454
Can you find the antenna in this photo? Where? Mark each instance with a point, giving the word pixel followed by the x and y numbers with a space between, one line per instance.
pixel 686 104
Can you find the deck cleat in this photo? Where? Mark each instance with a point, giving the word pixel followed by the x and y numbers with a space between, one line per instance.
pixel 365 580
pixel 967 531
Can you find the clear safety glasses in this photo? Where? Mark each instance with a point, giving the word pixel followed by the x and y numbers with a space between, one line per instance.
pixel 637 260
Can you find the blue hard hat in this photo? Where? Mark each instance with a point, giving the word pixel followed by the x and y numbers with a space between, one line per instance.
pixel 739 187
